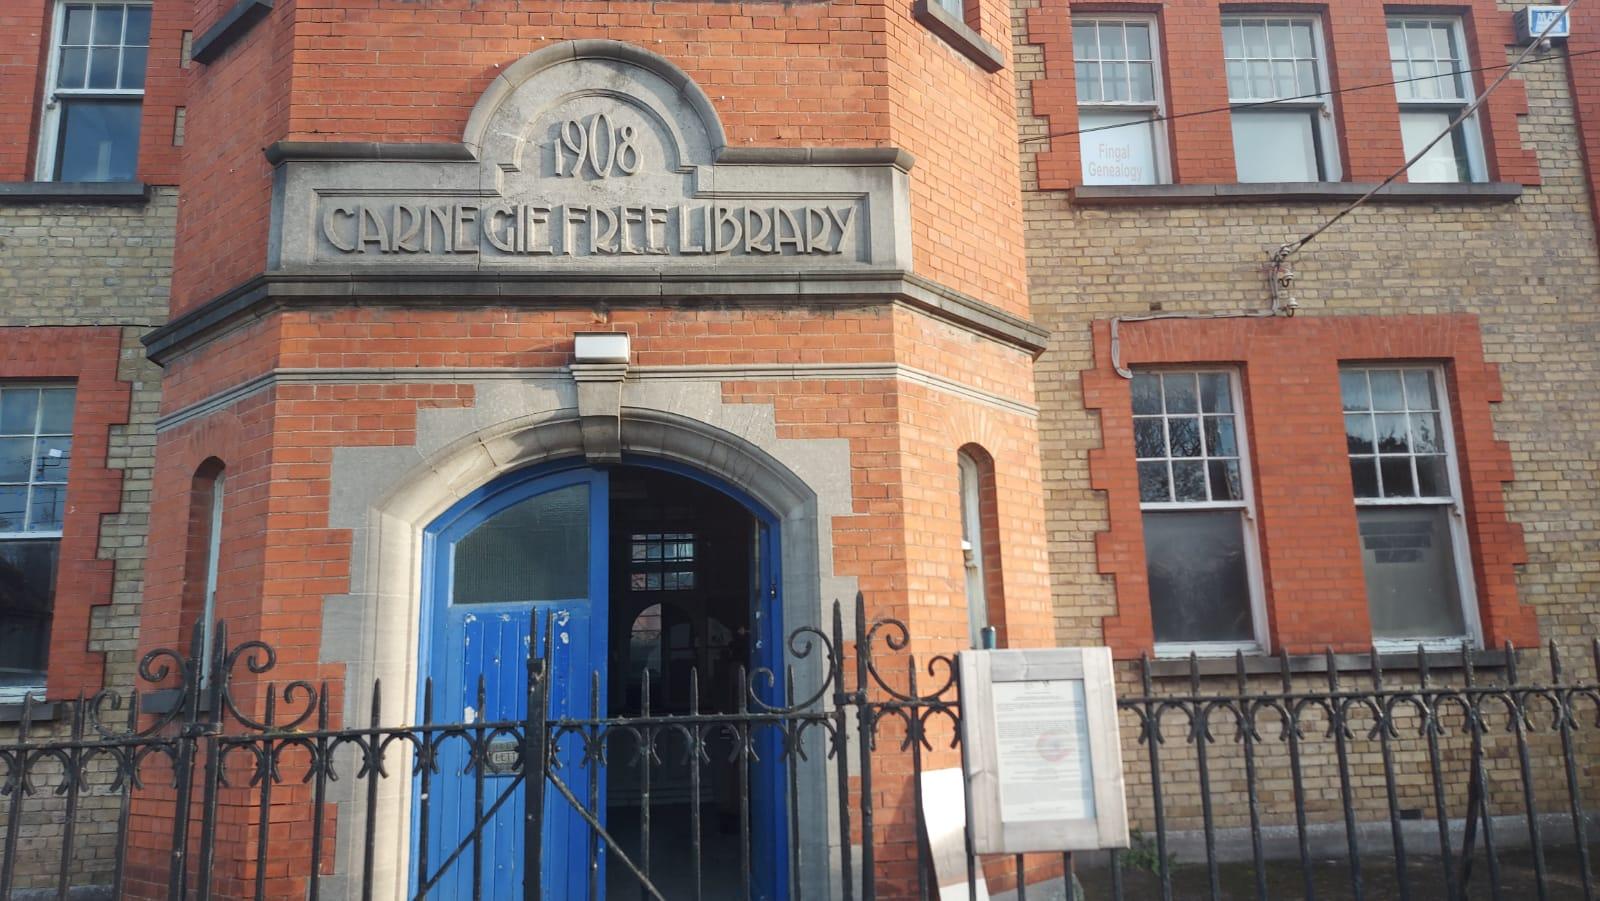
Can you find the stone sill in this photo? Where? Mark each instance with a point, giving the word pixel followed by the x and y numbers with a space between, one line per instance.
pixel 11 711
pixel 1292 192
pixel 1317 664
pixel 957 34
pixel 30 192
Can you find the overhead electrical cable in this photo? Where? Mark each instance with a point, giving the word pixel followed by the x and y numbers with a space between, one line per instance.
pixel 1290 249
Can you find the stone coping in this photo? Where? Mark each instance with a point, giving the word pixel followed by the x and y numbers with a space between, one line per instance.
pixel 19 193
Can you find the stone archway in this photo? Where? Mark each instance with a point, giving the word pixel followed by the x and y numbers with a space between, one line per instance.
pixel 387 497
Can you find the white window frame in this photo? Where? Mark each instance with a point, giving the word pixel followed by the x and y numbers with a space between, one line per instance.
pixel 50 117
pixel 1471 129
pixel 1327 126
pixel 1460 542
pixel 1247 505
pixel 972 547
pixel 1157 109
pixel 18 693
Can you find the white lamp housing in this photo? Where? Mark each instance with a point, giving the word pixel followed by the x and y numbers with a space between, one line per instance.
pixel 600 347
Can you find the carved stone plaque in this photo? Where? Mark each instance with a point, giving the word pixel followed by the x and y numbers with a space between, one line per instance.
pixel 585 155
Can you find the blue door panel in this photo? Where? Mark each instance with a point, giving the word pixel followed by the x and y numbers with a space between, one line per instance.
pixel 494 642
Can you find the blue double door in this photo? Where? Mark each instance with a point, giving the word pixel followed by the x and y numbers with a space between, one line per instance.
pixel 528 566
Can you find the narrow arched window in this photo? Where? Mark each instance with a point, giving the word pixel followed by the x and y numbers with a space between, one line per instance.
pixel 204 556
pixel 979 543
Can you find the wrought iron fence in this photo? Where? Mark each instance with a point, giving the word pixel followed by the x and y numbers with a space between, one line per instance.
pixel 805 783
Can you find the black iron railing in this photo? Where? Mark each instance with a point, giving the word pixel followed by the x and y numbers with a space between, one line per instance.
pixel 1436 781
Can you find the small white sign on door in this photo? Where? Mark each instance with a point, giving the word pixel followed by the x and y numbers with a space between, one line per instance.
pixel 1044 757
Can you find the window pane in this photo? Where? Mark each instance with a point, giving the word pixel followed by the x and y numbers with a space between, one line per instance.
pixel 107 24
pixel 1189 481
pixel 1111 42
pixel 1141 83
pixel 1391 433
pixel 1302 41
pixel 1425 437
pixel 103 67
pixel 133 62
pixel 1278 41
pixel 1411 574
pixel 1153 485
pixel 47 508
pixel 1180 393
pixel 19 408
pixel 1419 390
pixel 50 458
pixel 1122 149
pixel 1307 73
pixel 1085 41
pixel 138 33
pixel 1353 389
pixel 1433 479
pixel 1199 586
pixel 27 594
pixel 1226 482
pixel 16 458
pixel 1364 476
pixel 1275 146
pixel 1215 394
pixel 1220 440
pixel 1358 433
pixel 1260 79
pixel 1446 161
pixel 99 140
pixel 1146 393
pixel 1138 36
pixel 1184 434
pixel 77 30
pixel 1283 83
pixel 74 67
pixel 1088 76
pixel 1114 81
pixel 13 507
pixel 1148 440
pixel 1255 38
pixel 1396 475
pixel 1386 390
pixel 535 550
pixel 1232 40
pixel 56 418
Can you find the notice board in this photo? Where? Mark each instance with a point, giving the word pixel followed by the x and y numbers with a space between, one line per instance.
pixel 1043 754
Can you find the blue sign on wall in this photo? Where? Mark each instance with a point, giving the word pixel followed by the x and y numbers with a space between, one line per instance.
pixel 1531 22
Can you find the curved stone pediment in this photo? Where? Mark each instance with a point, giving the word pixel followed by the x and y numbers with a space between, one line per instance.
pixel 590 156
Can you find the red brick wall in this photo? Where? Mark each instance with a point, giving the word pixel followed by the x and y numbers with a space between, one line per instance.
pixel 24 57
pixel 88 357
pixel 901 541
pixel 1315 588
pixel 1358 54
pixel 851 73
pixel 24 26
